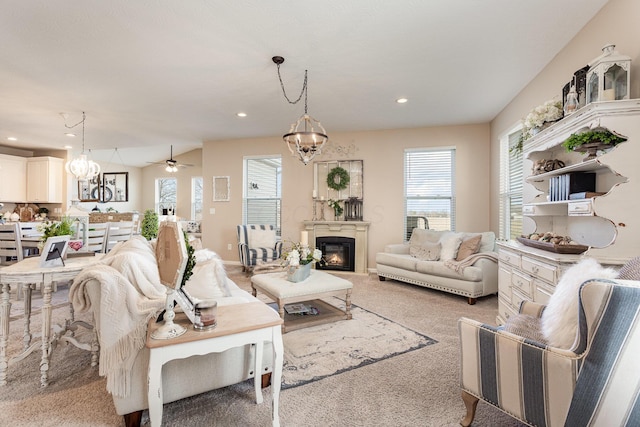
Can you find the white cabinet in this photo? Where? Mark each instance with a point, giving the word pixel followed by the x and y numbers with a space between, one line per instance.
pixel 607 223
pixel 13 182
pixel 44 179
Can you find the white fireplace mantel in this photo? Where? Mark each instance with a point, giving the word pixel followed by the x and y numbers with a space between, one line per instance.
pixel 357 230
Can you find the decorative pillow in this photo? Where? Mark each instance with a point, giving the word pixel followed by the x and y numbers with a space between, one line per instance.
pixel 209 279
pixel 560 318
pixel 262 238
pixel 468 247
pixel 525 326
pixel 631 270
pixel 450 243
pixel 426 251
pixel 421 235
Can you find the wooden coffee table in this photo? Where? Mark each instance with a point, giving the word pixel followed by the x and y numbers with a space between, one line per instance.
pixel 318 285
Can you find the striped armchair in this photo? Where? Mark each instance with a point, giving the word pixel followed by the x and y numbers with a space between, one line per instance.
pixel 257 243
pixel 596 383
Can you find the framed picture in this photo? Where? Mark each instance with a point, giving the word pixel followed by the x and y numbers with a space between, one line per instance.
pixel 85 189
pixel 220 188
pixel 54 250
pixel 115 186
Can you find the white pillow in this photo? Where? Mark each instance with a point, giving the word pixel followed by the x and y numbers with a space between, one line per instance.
pixel 450 244
pixel 262 238
pixel 560 317
pixel 209 280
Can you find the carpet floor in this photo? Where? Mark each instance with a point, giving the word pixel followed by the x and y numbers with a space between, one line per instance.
pixel 413 388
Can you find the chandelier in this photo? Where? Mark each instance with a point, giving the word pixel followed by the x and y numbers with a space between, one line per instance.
pixel 307 136
pixel 81 167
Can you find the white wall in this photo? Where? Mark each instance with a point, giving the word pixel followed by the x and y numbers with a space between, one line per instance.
pixel 383 172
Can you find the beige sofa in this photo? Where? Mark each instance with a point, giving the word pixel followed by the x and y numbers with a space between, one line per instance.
pixel 419 262
pixel 180 378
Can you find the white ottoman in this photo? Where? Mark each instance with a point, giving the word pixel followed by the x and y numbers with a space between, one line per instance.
pixel 318 285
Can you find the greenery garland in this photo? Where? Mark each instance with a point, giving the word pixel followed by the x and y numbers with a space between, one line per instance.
pixel 343 178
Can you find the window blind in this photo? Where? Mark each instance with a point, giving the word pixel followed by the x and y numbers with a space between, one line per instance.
pixel 429 189
pixel 262 191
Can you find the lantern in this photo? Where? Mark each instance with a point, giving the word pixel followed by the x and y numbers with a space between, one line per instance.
pixel 353 209
pixel 608 77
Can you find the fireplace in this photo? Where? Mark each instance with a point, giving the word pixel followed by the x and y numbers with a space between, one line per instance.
pixel 338 252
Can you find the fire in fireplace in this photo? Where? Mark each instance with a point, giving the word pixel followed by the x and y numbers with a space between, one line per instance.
pixel 339 253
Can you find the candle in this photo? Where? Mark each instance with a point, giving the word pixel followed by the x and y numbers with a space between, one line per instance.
pixel 315 194
pixel 609 95
pixel 304 238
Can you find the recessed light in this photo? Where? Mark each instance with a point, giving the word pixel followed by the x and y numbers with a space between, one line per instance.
pixel 401 100
pixel 68 147
pixel 241 114
pixel 12 138
pixel 70 134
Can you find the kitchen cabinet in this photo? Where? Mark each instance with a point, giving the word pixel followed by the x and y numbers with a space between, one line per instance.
pixel 44 179
pixel 13 182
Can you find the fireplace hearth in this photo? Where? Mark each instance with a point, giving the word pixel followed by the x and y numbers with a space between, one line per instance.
pixel 338 252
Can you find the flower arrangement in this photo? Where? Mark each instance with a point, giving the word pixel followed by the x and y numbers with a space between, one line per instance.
pixel 550 111
pixel 335 205
pixel 64 227
pixel 300 254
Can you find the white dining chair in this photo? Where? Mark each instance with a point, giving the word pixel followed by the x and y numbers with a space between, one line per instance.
pixel 117 232
pixel 96 236
pixel 10 244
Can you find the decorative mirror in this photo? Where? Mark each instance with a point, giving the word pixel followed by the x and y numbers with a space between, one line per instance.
pixel 172 256
pixel 220 188
pixel 86 188
pixel 115 187
pixel 338 180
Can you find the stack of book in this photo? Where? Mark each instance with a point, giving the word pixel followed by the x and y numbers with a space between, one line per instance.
pixel 570 186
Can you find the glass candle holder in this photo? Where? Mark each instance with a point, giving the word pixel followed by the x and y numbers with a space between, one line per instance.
pixel 206 315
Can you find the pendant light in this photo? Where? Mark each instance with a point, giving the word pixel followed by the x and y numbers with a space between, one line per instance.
pixel 81 167
pixel 307 136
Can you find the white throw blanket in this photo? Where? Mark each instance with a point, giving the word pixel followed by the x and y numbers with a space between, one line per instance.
pixel 459 266
pixel 130 295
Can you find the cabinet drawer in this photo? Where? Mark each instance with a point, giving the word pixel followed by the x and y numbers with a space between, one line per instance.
pixel 510 258
pixel 540 270
pixel 504 282
pixel 505 311
pixel 517 298
pixel 522 283
pixel 542 292
pixel 580 208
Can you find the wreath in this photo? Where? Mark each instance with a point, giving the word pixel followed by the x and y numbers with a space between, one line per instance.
pixel 342 178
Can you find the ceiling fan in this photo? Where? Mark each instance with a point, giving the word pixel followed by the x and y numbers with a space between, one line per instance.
pixel 171 165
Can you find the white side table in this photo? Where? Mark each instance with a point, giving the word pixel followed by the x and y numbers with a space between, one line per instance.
pixel 238 325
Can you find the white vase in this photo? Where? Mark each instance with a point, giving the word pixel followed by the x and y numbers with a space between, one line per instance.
pixel 299 273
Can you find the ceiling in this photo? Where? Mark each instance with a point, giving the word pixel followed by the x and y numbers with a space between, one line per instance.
pixel 155 73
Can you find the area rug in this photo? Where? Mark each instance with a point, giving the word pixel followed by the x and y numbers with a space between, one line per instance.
pixel 318 352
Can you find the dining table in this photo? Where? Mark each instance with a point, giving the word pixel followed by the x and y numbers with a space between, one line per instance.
pixel 31 275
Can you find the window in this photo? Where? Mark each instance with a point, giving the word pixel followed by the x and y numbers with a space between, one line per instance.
pixel 429 189
pixel 510 187
pixel 196 198
pixel 262 191
pixel 166 196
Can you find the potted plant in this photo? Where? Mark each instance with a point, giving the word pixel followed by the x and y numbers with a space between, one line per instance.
pixel 149 226
pixel 590 141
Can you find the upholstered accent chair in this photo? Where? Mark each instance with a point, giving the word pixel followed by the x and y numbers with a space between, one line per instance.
pixel 257 243
pixel 594 383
